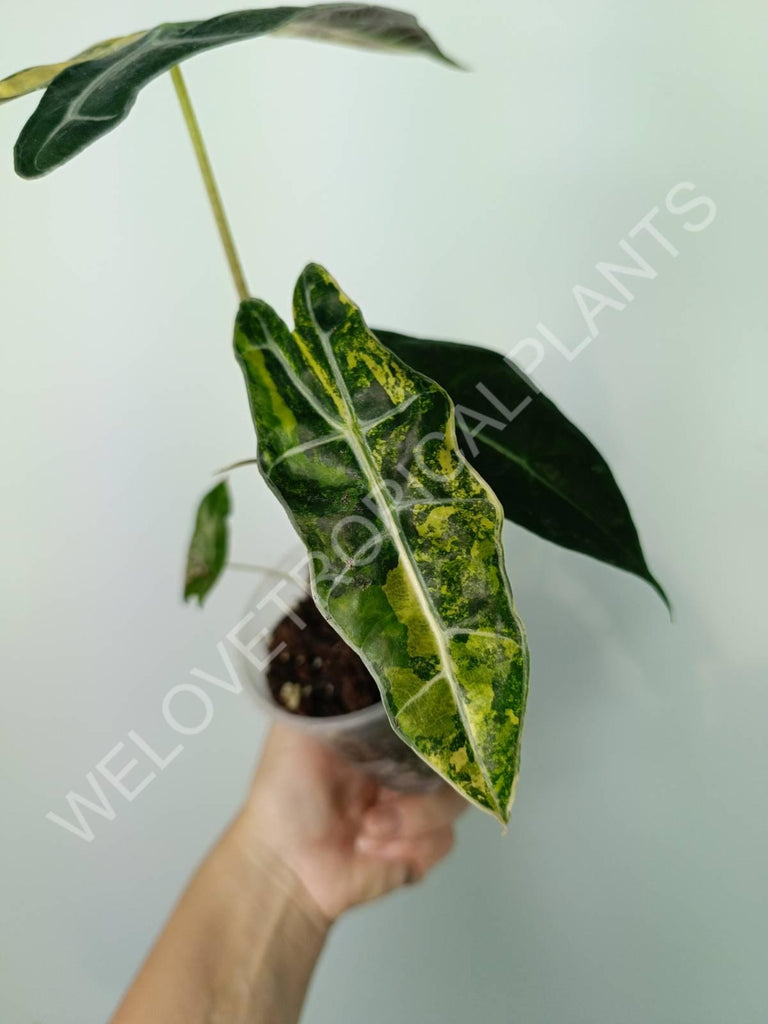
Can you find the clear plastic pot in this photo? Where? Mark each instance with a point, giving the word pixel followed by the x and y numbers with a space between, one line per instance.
pixel 364 737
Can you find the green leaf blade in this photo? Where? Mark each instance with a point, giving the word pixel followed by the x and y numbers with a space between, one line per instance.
pixel 209 544
pixel 408 564
pixel 32 79
pixel 90 97
pixel 549 477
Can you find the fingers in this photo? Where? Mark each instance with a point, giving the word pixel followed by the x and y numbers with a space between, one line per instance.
pixel 439 845
pixel 410 834
pixel 412 857
pixel 403 816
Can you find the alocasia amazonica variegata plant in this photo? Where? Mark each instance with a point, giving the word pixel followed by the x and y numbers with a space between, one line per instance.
pixel 357 435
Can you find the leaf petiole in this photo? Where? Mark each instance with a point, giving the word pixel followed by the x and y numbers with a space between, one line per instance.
pixel 193 127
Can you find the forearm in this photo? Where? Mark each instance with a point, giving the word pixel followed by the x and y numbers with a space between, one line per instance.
pixel 240 946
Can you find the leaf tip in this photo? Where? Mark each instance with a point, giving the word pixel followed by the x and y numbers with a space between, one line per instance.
pixel 190 592
pixel 314 272
pixel 662 594
pixel 457 65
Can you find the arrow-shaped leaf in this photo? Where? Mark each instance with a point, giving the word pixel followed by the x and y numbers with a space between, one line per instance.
pixel 406 537
pixel 208 547
pixel 550 478
pixel 87 97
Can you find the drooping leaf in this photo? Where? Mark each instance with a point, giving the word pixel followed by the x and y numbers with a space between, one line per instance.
pixel 208 547
pixel 32 79
pixel 550 478
pixel 405 536
pixel 88 97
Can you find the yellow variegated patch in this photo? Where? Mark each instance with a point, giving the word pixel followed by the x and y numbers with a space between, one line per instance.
pixel 408 565
pixel 32 79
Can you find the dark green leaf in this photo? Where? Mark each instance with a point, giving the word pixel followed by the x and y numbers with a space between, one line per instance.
pixel 549 477
pixel 405 536
pixel 32 79
pixel 208 546
pixel 90 97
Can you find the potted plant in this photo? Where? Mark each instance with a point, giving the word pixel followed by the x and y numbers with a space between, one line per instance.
pixel 396 458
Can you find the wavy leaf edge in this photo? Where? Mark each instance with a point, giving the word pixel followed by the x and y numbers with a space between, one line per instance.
pixel 440 635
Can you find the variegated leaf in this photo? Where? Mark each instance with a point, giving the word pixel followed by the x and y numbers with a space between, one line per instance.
pixel 32 79
pixel 405 536
pixel 92 93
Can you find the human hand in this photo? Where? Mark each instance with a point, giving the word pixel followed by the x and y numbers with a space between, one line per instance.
pixel 347 838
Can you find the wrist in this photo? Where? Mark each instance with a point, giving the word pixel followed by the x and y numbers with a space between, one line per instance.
pixel 263 839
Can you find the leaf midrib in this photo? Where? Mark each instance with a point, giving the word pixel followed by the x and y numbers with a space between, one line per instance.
pixel 364 456
pixel 526 467
pixel 150 41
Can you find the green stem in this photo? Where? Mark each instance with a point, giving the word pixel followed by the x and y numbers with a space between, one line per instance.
pixel 206 170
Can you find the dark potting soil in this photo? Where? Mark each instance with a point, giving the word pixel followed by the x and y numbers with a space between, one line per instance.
pixel 316 673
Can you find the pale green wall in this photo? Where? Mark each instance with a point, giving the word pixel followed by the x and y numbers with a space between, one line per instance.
pixel 631 888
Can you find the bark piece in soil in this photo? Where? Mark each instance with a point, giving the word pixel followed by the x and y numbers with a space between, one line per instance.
pixel 316 673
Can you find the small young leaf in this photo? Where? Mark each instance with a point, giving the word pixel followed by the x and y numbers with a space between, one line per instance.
pixel 548 476
pixel 208 546
pixel 92 93
pixel 405 536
